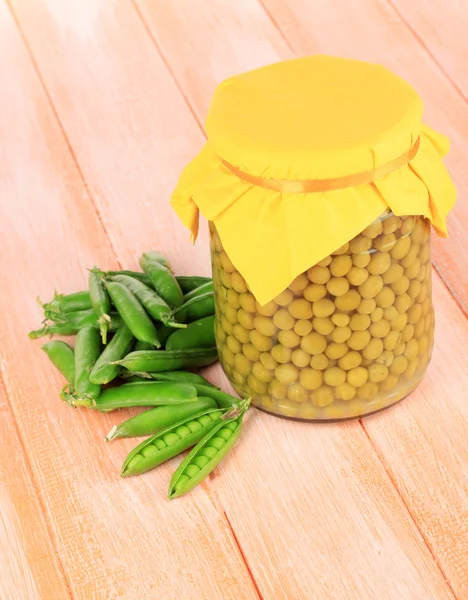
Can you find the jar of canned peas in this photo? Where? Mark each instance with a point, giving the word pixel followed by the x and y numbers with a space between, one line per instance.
pixel 321 186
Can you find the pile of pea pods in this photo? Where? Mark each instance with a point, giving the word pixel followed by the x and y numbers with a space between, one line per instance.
pixel 138 336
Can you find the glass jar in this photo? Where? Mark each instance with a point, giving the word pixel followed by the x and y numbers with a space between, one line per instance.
pixel 321 183
pixel 351 335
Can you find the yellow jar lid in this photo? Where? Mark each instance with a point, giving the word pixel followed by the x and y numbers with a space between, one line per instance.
pixel 277 137
pixel 313 117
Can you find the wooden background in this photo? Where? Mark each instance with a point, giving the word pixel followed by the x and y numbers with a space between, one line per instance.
pixel 102 103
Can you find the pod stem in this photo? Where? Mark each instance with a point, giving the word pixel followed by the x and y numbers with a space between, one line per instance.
pixel 38 333
pixel 112 435
pixel 104 323
pixel 169 322
pixel 69 396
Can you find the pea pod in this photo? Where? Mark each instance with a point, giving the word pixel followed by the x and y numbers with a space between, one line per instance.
pixel 199 334
pixel 183 377
pixel 223 400
pixel 156 393
pixel 73 323
pixel 156 419
pixel 163 280
pixel 168 360
pixel 195 308
pixel 68 303
pixel 199 291
pixel 103 371
pixel 62 357
pixel 144 345
pixel 132 313
pixel 149 299
pixel 170 442
pixel 87 351
pixel 164 332
pixel 190 282
pixel 208 453
pixel 100 300
pixel 135 274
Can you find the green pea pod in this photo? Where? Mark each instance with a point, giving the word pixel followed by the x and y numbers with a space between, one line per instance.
pixel 170 442
pixel 132 313
pixel 50 330
pixel 190 282
pixel 100 300
pixel 223 400
pixel 156 393
pixel 157 256
pixel 156 419
pixel 135 274
pixel 62 357
pixel 199 291
pixel 87 351
pixel 183 377
pixel 164 332
pixel 74 322
pixel 144 345
pixel 163 280
pixel 168 360
pixel 151 302
pixel 208 453
pixel 68 303
pixel 195 308
pixel 199 334
pixel 103 371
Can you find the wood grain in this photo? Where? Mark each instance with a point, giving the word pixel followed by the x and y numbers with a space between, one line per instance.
pixel 116 539
pixel 297 510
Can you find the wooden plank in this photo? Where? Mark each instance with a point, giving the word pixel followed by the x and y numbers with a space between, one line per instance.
pixel 420 441
pixel 29 565
pixel 441 30
pixel 116 538
pixel 371 30
pixel 283 552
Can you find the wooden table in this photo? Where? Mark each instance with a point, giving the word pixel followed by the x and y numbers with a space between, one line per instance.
pixel 101 105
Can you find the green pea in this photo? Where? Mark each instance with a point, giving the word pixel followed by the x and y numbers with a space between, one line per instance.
pixel 105 370
pixel 149 451
pixel 173 443
pixel 225 433
pixel 154 393
pixel 209 452
pixel 135 460
pixel 200 461
pixel 100 301
pixel 182 482
pixel 194 426
pixel 132 313
pixel 171 438
pixel 182 431
pixel 205 420
pixel 162 279
pixel 217 443
pixel 192 470
pixel 62 356
pixel 199 334
pixel 152 421
pixel 191 282
pixel 152 361
pixel 87 351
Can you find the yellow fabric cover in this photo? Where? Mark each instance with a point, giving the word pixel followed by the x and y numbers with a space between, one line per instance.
pixel 317 117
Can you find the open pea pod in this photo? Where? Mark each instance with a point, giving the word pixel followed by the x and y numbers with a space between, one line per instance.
pixel 209 452
pixel 170 442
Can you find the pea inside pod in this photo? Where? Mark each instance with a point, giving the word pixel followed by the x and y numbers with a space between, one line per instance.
pixel 208 453
pixel 170 442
